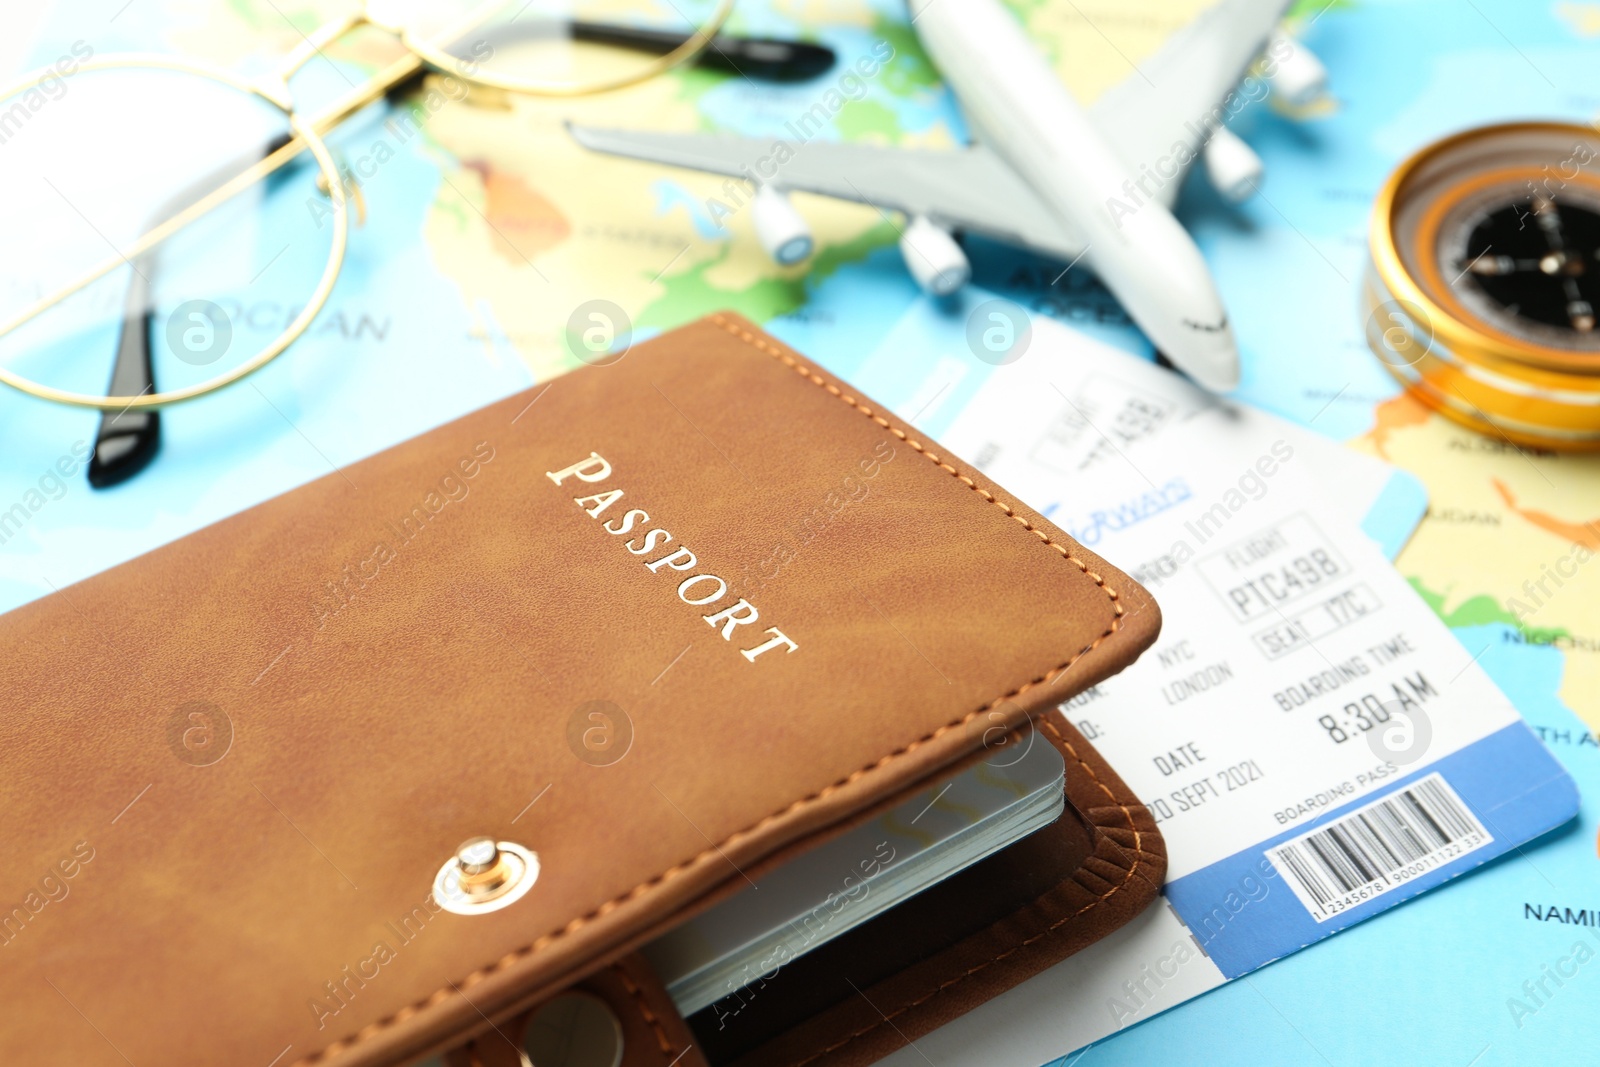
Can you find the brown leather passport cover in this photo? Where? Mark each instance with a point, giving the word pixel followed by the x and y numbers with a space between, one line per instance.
pixel 232 767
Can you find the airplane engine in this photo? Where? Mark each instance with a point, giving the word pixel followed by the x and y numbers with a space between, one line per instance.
pixel 1300 78
pixel 933 258
pixel 780 228
pixel 1233 166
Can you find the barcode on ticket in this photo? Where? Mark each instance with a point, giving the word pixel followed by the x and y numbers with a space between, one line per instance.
pixel 1379 847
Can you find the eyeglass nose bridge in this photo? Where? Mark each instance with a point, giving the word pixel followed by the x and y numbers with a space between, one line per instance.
pixel 311 46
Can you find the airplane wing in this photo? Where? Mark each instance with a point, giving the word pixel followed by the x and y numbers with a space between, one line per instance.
pixel 1176 97
pixel 962 189
pixel 1171 101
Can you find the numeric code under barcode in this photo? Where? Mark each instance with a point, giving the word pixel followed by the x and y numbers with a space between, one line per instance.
pixel 1379 847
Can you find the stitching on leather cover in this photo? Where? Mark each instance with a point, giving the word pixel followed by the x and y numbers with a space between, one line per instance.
pixel 516 955
pixel 1138 852
pixel 644 1009
pixel 816 379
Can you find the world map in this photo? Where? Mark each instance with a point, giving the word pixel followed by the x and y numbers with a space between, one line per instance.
pixel 488 230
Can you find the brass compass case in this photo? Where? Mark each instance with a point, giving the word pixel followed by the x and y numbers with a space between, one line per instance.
pixel 1484 278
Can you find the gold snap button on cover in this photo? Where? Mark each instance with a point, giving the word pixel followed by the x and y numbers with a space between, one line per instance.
pixel 485 875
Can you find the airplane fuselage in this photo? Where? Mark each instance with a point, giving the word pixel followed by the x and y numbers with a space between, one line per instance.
pixel 1019 108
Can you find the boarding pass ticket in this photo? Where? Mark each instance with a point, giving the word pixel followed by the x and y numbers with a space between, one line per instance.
pixel 1070 402
pixel 1314 743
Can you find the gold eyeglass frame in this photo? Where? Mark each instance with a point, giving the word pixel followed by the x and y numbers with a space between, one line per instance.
pixel 307 136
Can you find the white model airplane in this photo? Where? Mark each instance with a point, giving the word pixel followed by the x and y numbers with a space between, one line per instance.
pixel 1046 173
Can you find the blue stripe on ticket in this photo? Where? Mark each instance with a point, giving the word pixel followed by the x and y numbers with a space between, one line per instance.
pixel 1396 513
pixel 1351 862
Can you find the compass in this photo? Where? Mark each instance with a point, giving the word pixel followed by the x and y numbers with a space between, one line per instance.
pixel 1484 283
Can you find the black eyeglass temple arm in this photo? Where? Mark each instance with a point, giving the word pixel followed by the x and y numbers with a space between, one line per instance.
pixel 128 440
pixel 768 58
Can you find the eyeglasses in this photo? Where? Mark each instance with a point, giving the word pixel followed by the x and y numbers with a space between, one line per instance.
pixel 177 173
